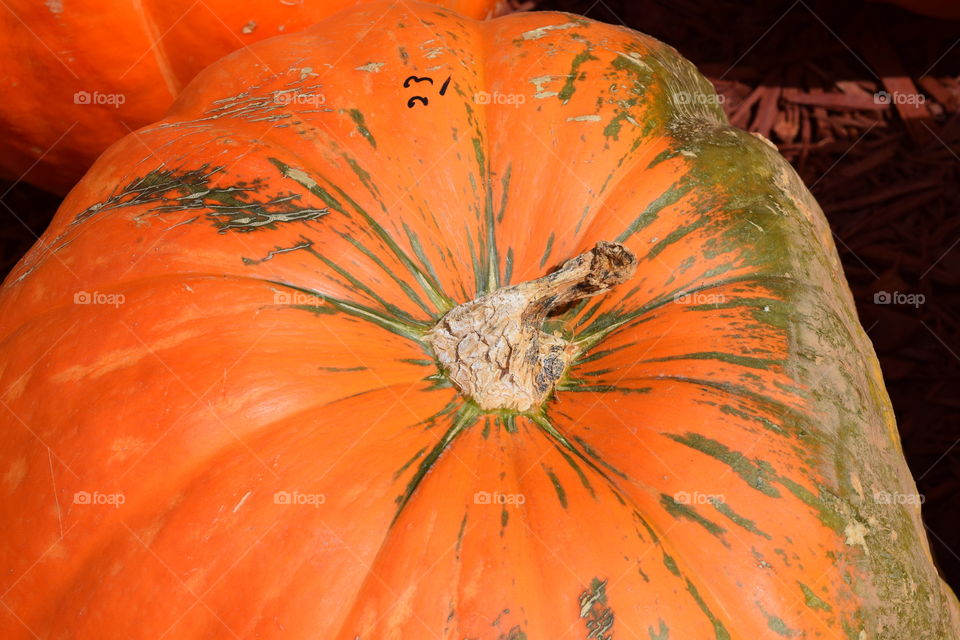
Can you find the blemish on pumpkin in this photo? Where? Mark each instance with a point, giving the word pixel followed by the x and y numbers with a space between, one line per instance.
pixel 598 617
pixel 121 359
pixel 15 473
pixel 538 82
pixel 371 67
pixel 16 388
pixel 249 28
pixel 587 118
pixel 125 447
pixel 812 600
pixel 242 500
pixel 855 534
pixel 539 32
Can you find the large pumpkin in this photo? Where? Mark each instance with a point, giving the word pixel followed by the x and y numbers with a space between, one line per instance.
pixel 412 326
pixel 77 77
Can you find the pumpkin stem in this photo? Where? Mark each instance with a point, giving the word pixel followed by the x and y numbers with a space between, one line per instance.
pixel 493 348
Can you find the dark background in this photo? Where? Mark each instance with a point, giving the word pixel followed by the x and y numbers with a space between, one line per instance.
pixel 804 74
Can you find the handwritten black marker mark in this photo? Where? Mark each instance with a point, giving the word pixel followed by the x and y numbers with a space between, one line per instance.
pixel 406 83
pixel 423 99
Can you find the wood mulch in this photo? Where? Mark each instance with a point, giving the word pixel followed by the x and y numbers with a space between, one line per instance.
pixel 807 74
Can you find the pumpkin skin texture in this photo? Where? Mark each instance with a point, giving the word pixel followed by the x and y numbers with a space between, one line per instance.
pixel 145 52
pixel 292 461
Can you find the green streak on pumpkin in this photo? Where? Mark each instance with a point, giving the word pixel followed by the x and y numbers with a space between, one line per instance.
pixel 662 156
pixel 811 599
pixel 667 198
pixel 569 87
pixel 737 519
pixel 425 261
pixel 358 120
pixel 674 236
pixel 490 270
pixel 432 288
pixel 718 629
pixel 729 358
pixel 671 564
pixel 465 417
pixel 364 176
pixel 662 634
pixel 505 188
pixel 440 307
pixel 679 510
pixel 818 504
pixel 583 477
pixel 460 533
pixel 547 250
pixel 561 493
pixel 410 330
pixel 766 423
pixel 390 308
pixel 406 465
pixel 756 473
pixel 504 518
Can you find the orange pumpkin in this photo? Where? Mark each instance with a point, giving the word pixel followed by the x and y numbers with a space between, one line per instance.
pixel 412 326
pixel 87 75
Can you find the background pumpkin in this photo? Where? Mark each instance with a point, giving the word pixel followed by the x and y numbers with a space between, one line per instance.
pixel 707 468
pixel 79 77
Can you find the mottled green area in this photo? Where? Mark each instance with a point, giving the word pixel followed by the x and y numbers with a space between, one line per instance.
pixel 569 86
pixel 812 600
pixel 663 633
pixel 515 633
pixel 777 625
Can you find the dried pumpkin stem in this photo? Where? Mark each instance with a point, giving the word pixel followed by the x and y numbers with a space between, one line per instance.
pixel 493 348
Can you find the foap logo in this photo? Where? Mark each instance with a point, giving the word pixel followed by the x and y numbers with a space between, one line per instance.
pixel 96 498
pixel 486 497
pixel 495 97
pixel 686 97
pixel 299 99
pixel 97 98
pixel 298 298
pixel 888 497
pixel 95 297
pixel 297 498
pixel 698 297
pixel 686 497
pixel 883 97
pixel 897 297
